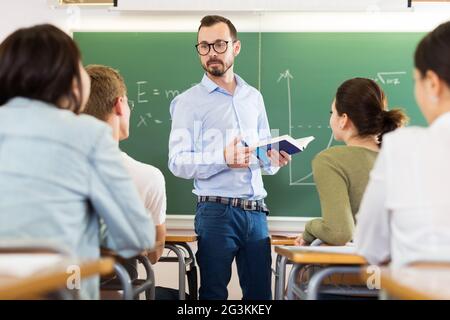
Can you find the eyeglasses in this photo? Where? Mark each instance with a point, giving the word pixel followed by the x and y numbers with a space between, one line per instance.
pixel 220 46
pixel 130 103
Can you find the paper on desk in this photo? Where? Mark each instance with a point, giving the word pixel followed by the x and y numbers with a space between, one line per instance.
pixel 349 249
pixel 22 265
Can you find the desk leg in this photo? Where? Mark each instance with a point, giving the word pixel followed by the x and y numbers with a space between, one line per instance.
pixel 192 273
pixel 181 270
pixel 292 279
pixel 280 277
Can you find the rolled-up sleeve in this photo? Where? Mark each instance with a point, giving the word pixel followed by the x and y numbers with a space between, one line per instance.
pixel 184 160
pixel 115 199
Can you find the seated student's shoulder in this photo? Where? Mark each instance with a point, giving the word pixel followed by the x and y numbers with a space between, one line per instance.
pixel 85 130
pixel 333 153
pixel 343 157
pixel 405 138
pixel 143 173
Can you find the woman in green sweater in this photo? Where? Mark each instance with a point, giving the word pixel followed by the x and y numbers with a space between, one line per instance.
pixel 359 118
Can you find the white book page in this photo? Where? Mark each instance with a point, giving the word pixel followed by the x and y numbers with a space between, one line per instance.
pixel 303 142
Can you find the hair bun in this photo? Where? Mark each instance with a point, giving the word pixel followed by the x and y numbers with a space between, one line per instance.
pixel 391 120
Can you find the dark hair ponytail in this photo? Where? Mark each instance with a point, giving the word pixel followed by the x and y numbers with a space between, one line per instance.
pixel 364 102
pixel 391 120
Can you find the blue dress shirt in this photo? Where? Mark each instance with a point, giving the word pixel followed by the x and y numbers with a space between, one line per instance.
pixel 205 119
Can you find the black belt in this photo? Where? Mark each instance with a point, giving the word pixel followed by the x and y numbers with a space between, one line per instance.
pixel 250 205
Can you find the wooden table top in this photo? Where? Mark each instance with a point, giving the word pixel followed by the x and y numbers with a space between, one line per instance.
pixel 181 238
pixel 51 278
pixel 277 240
pixel 297 256
pixel 425 281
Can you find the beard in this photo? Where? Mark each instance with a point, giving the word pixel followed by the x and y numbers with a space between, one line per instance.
pixel 218 70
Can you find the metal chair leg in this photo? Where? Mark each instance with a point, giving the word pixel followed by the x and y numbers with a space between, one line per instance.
pixel 150 276
pixel 181 270
pixel 125 281
pixel 291 282
pixel 318 277
pixel 280 277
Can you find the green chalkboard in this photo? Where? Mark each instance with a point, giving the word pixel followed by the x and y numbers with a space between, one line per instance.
pixel 297 73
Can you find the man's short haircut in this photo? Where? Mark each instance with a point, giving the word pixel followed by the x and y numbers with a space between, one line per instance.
pixel 208 21
pixel 106 86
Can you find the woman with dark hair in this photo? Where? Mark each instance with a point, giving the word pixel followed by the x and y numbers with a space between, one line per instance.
pixel 60 172
pixel 405 212
pixel 359 118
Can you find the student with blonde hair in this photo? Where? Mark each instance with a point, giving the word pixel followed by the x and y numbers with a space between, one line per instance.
pixel 405 212
pixel 108 102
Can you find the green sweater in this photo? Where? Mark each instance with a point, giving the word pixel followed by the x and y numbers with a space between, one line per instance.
pixel 341 175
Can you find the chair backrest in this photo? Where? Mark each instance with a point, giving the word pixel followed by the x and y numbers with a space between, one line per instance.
pixel 316 242
pixel 29 246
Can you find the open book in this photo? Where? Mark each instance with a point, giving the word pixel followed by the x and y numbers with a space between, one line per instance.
pixel 283 143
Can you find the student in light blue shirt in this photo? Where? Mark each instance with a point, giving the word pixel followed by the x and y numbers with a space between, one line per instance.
pixel 213 125
pixel 60 172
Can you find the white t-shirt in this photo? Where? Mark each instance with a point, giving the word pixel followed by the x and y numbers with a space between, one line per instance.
pixel 405 212
pixel 151 187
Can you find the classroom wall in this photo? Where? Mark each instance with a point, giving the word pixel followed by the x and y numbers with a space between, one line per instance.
pixel 20 13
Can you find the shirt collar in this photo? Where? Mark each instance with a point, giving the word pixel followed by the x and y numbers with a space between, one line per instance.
pixel 443 119
pixel 212 86
pixel 25 102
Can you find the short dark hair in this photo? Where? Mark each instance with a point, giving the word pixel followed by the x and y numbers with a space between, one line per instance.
pixel 365 104
pixel 433 53
pixel 41 63
pixel 106 86
pixel 208 21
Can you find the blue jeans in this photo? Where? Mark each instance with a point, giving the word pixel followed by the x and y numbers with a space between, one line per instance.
pixel 224 233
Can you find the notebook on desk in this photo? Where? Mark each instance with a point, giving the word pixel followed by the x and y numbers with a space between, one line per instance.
pixel 349 249
pixel 23 265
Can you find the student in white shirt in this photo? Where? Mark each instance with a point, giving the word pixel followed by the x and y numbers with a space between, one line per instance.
pixel 404 216
pixel 108 102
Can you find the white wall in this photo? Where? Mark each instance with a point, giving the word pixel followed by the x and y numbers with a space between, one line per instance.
pixel 20 13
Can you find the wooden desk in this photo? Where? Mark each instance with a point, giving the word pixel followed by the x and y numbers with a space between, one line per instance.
pixel 425 281
pixel 50 279
pixel 282 240
pixel 300 258
pixel 295 255
pixel 181 238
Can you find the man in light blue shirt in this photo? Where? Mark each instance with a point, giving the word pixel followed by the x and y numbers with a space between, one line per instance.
pixel 213 125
